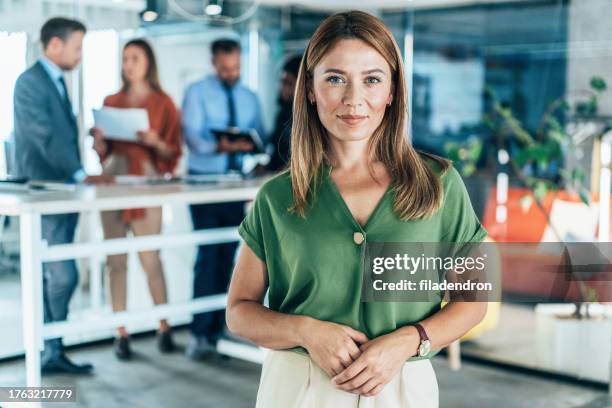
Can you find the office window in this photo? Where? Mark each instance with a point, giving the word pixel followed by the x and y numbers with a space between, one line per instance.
pixel 518 51
pixel 13 62
pixel 101 77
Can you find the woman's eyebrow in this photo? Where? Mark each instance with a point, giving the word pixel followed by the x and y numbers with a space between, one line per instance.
pixel 371 71
pixel 335 71
pixel 339 71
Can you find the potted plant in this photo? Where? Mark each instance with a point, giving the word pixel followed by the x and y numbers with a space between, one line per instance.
pixel 542 162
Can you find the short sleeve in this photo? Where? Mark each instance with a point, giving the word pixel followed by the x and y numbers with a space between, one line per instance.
pixel 251 228
pixel 460 222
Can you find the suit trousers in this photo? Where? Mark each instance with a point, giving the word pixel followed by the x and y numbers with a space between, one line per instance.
pixel 60 278
pixel 214 264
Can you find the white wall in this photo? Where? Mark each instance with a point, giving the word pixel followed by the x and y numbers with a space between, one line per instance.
pixel 590 47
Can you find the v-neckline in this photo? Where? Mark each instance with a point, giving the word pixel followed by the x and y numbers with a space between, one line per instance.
pixel 332 184
pixel 142 105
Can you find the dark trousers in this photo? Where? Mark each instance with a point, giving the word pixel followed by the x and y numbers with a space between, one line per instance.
pixel 214 263
pixel 60 278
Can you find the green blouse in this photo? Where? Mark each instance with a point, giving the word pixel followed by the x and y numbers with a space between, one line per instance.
pixel 314 263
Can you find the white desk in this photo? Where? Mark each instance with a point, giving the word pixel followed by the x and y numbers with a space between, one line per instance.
pixel 30 205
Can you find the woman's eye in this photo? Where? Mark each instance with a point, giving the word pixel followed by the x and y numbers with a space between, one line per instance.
pixel 334 80
pixel 373 80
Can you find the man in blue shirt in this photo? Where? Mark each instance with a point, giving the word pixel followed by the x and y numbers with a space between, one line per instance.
pixel 47 148
pixel 216 102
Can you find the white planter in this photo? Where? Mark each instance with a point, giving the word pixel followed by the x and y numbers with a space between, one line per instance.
pixel 572 346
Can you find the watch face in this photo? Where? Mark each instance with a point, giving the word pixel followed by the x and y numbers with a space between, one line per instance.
pixel 424 348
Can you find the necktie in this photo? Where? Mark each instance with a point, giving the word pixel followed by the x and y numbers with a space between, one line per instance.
pixel 66 98
pixel 233 159
pixel 231 107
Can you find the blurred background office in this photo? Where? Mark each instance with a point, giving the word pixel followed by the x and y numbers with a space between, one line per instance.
pixel 472 65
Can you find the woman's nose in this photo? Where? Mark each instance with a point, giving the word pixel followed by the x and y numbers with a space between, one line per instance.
pixel 352 96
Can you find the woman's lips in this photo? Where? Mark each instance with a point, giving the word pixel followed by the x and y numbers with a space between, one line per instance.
pixel 352 119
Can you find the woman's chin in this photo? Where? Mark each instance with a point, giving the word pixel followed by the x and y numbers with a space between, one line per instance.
pixel 352 135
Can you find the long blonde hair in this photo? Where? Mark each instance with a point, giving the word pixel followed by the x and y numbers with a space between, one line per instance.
pixel 418 191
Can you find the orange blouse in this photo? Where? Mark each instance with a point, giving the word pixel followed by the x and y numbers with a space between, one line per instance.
pixel 163 118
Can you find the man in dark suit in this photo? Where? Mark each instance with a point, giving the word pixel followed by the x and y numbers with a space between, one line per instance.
pixel 47 148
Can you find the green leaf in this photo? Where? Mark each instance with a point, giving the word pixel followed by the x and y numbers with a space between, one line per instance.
pixel 564 106
pixel 578 174
pixel 557 136
pixel 554 124
pixel 585 197
pixel 598 84
pixel 475 150
pixel 540 191
pixel 538 152
pixel 452 151
pixel 468 169
pixel 521 157
pixel 488 122
pixel 591 106
pixel 489 92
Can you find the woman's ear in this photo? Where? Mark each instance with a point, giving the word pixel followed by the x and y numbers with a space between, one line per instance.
pixel 309 92
pixel 311 98
pixel 390 98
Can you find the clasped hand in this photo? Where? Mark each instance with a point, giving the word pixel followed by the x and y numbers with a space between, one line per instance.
pixel 355 363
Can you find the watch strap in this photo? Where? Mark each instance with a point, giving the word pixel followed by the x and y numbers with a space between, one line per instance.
pixel 422 332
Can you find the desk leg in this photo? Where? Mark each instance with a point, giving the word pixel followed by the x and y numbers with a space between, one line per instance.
pixel 95 262
pixel 31 294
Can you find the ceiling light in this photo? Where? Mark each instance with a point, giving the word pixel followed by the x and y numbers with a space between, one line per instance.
pixel 213 8
pixel 150 13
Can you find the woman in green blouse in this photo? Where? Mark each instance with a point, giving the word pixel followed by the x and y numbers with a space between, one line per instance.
pixel 354 178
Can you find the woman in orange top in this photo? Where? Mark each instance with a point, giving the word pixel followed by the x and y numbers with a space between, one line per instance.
pixel 155 154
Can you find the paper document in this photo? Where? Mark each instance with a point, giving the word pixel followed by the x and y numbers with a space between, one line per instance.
pixel 121 124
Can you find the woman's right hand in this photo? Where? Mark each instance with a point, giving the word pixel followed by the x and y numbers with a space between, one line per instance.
pixel 332 346
pixel 99 145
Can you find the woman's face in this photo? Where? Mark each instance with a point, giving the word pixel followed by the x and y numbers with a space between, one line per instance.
pixel 351 87
pixel 135 64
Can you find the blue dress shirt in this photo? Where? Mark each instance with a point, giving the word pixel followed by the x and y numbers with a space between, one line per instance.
pixel 55 73
pixel 205 107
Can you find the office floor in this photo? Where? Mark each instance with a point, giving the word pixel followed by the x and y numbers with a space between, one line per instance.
pixel 155 381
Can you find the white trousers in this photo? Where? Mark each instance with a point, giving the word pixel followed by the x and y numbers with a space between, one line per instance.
pixel 293 380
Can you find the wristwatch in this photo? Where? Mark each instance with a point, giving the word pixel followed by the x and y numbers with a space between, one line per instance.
pixel 425 345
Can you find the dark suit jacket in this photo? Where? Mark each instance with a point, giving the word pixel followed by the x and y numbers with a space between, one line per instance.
pixel 46 134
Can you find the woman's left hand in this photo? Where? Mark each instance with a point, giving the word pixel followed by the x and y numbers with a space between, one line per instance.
pixel 149 138
pixel 380 360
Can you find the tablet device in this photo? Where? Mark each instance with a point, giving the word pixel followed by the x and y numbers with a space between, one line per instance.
pixel 234 134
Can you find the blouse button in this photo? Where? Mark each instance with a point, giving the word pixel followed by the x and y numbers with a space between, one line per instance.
pixel 358 238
